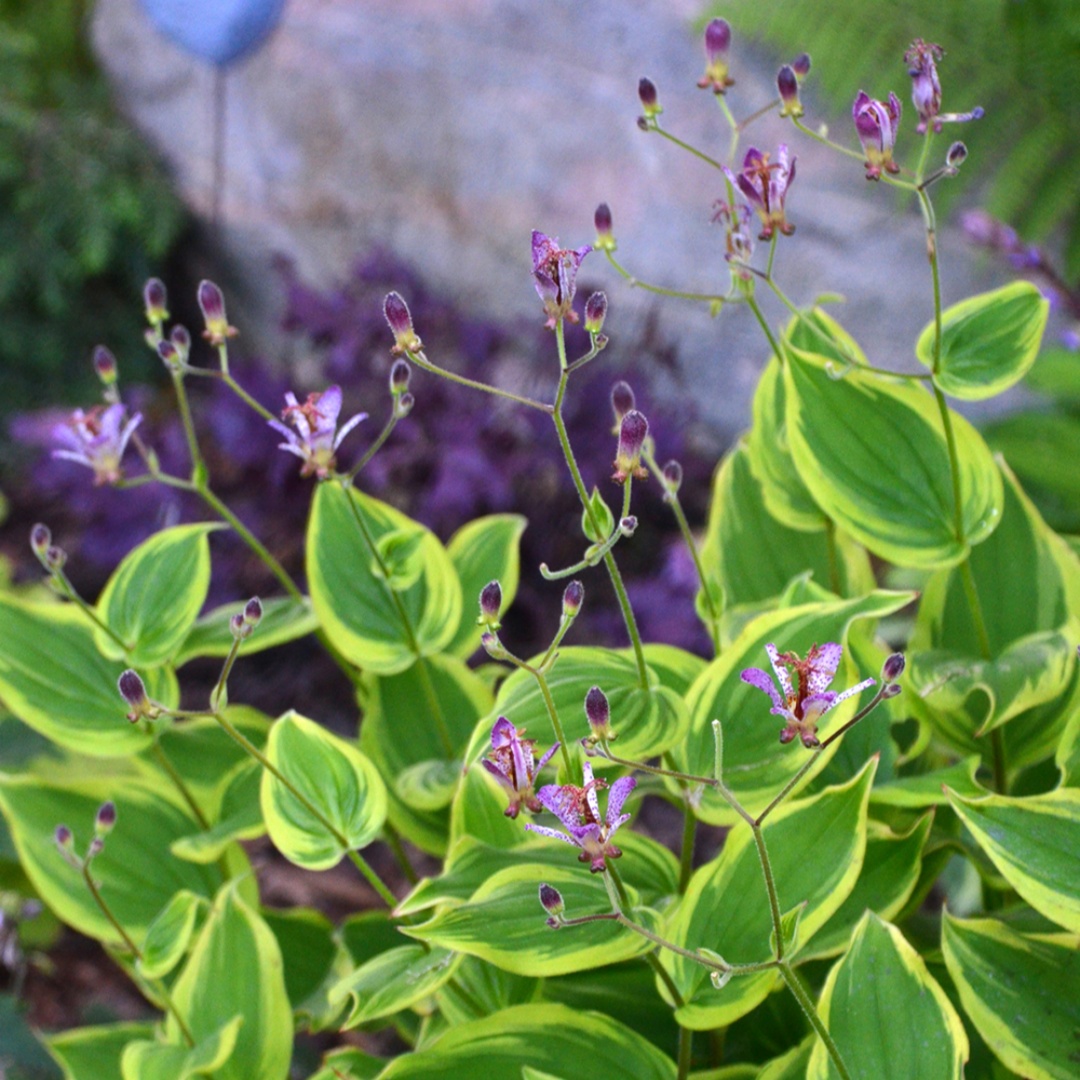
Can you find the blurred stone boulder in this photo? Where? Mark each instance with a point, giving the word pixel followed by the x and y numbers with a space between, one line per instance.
pixel 447 131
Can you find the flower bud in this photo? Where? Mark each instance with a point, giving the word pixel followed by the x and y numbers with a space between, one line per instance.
pixel 404 405
pixel 492 645
pixel 106 818
pixel 133 691
pixel 801 66
pixel 572 598
pixel 595 312
pixel 650 99
pixel 55 559
pixel 622 400
pixel 181 339
pixel 240 629
pixel 672 477
pixel 628 525
pixel 956 156
pixel 893 667
pixel 170 355
pixel 552 902
pixel 212 305
pixel 399 377
pixel 598 713
pixel 65 839
pixel 95 848
pixel 717 48
pixel 891 690
pixel 105 366
pixel 155 300
pixel 787 83
pixel 397 315
pixel 40 540
pixel 490 605
pixel 605 239
pixel 253 611
pixel 632 432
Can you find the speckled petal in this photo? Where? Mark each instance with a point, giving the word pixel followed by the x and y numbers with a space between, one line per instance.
pixel 782 676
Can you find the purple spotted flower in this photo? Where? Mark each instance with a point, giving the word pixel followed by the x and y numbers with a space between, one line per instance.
pixel 765 184
pixel 511 762
pixel 555 272
pixel 315 422
pixel 579 811
pixel 876 123
pixel 803 704
pixel 921 59
pixel 97 439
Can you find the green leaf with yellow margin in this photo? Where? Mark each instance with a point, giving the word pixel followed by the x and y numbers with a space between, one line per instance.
pixel 283 620
pixel 988 342
pixel 1021 991
pixel 873 452
pixel 816 848
pixel 487 549
pixel 1035 843
pixel 334 778
pixel 552 1038
pixel 887 1013
pixel 152 1060
pixel 380 629
pixel 94 1053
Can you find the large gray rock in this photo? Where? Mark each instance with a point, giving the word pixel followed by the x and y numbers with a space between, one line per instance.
pixel 448 131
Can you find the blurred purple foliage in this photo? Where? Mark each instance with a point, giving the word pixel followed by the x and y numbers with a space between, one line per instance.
pixel 460 454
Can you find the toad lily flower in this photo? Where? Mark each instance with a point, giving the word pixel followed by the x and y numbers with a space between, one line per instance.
pixel 314 440
pixel 511 762
pixel 804 706
pixel 579 811
pixel 97 439
pixel 765 185
pixel 921 60
pixel 555 272
pixel 876 123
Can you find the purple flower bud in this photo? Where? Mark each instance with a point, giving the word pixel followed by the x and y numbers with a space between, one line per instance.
pixel 253 611
pixel 106 818
pixel 65 839
pixel 404 405
pixel 622 400
pixel 572 598
pixel 490 605
pixel 155 300
pixel 181 340
pixel 551 900
pixel 650 99
pixel 598 713
pixel 717 48
pixel 876 123
pixel 239 628
pixel 212 305
pixel 673 476
pixel 397 315
pixel 891 690
pixel 632 432
pixel 55 558
pixel 605 239
pixel 105 366
pixel 788 84
pixel 95 848
pixel 956 156
pixel 492 645
pixel 628 525
pixel 399 377
pixel 893 668
pixel 170 355
pixel 40 540
pixel 133 691
pixel 801 66
pixel 595 312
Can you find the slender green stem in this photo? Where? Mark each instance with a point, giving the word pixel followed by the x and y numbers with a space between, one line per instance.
pixel 435 706
pixel 376 446
pixel 686 1052
pixel 672 499
pixel 68 590
pixel 136 952
pixel 393 841
pixel 421 361
pixel 178 782
pixel 604 752
pixel 597 554
pixel 757 114
pixel 772 256
pixel 565 622
pixel 826 141
pixel 581 361
pixel 687 147
pixel 770 888
pixel 358 861
pixel 583 495
pixel 794 984
pixel 733 142
pixel 198 466
pixel 659 290
pixel 549 704
pixel 924 154
pixel 245 397
pixel 223 357
pixel 756 309
pixel 612 874
pixel 686 851
pixel 972 593
pixel 219 694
